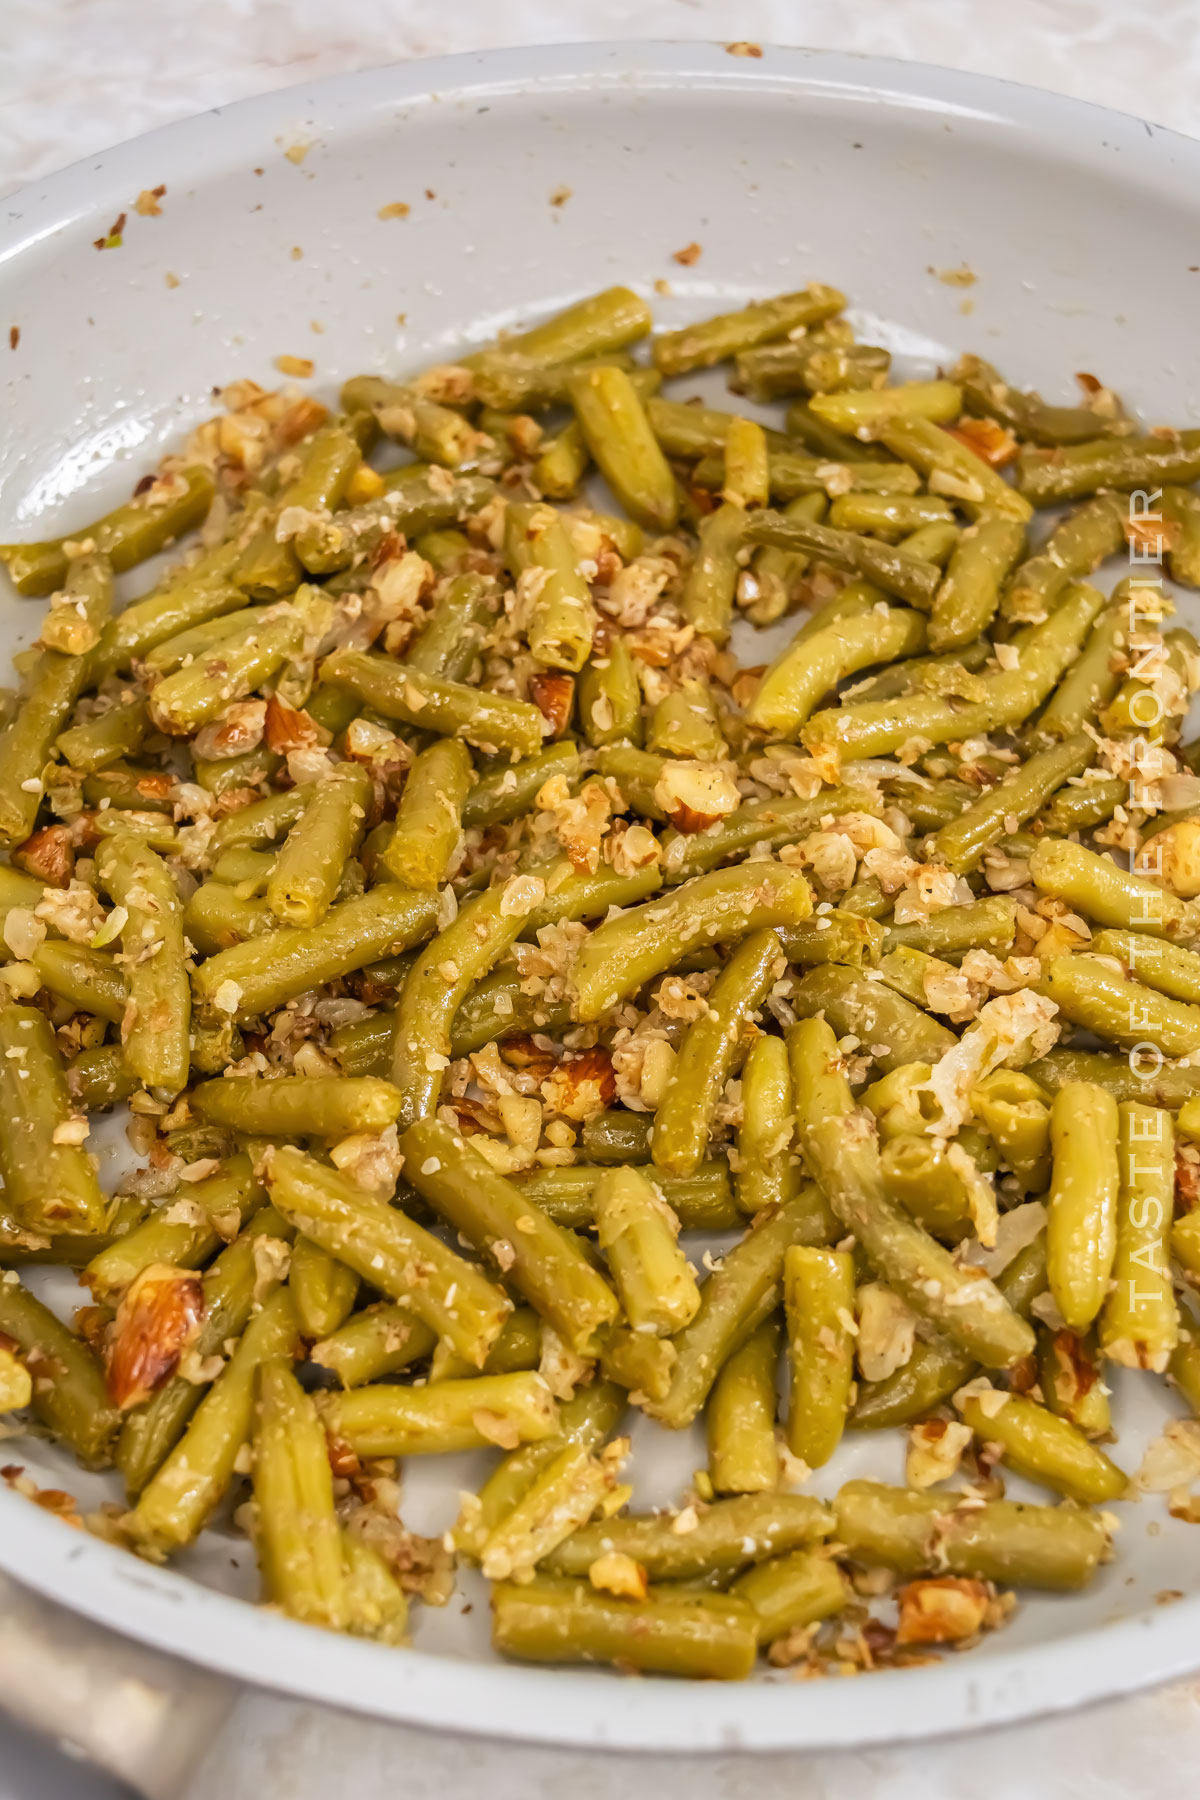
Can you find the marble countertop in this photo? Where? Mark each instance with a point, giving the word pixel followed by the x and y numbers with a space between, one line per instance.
pixel 76 75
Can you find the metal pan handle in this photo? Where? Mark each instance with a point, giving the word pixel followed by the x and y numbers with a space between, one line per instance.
pixel 143 1716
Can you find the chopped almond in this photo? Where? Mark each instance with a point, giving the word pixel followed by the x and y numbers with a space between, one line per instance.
pixel 48 854
pixel 287 728
pixel 990 441
pixel 695 795
pixel 553 695
pixel 582 1086
pixel 942 1610
pixel 160 1314
pixel 616 1573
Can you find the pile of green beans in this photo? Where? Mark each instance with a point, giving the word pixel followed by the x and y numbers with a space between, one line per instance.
pixel 466 910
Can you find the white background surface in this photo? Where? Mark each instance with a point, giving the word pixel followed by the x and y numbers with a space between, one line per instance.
pixel 78 74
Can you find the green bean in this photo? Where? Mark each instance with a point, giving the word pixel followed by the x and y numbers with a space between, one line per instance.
pixel 324 1290
pixel 710 1053
pixel 585 1420
pixel 309 868
pixel 99 1078
pixel 427 827
pixel 199 693
pixel 917 1173
pixel 562 463
pixel 561 1499
pixel 1096 887
pixel 638 1233
pixel 684 725
pixel 1041 1446
pixel 69 1394
pixel 839 1145
pixel 742 1457
pixel 961 844
pixel 988 396
pixel 494 722
pixel 216 917
pixel 620 438
pixel 878 728
pixel 88 979
pixel 774 822
pixel 1181 510
pixel 1088 992
pixel 106 736
pixel 775 575
pixel 950 468
pixel 609 696
pixel 391 1420
pixel 938 1367
pixel 1083 806
pixel 298 1105
pixel 325 544
pixel 1168 1085
pixel 791 1591
pixel 618 1137
pixel 49 1179
pixel 989 924
pixel 688 431
pixel 866 558
pixel 737 1298
pixel 702 1201
pixel 1074 550
pixel 199 640
pixel 712 340
pixel 804 672
pixel 155 1028
pixel 456 960
pixel 895 1031
pixel 391 1251
pixel 820 439
pixel 269 567
pixel 298 1537
pixel 517 1349
pixel 562 621
pixel 596 326
pixel 1167 967
pixel 888 515
pixel 381 1340
pixel 269 970
pixel 746 468
pixel 965 604
pixel 1183 1371
pixel 1015 1116
pixel 638 1362
pixel 818 1293
pixel 504 793
pixel 707 1637
pixel 1047 477
pixel 72 1249
pixel 1139 1323
pixel 711 583
pixel 1083 1199
pixel 56 680
pixel 833 937
pixel 767 1171
pixel 126 536
pixel 623 954
pixel 1001 1540
pixel 456 629
pixel 215 1209
pixel 1070 1380
pixel 543 1263
pixel 727 1536
pixel 861 411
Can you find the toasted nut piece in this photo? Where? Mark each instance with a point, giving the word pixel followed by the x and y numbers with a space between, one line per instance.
pixel 942 1610
pixel 160 1313
pixel 553 695
pixel 616 1573
pixel 16 1387
pixel 287 728
pixel 48 854
pixel 1173 856
pixel 987 439
pixel 582 1086
pixel 695 795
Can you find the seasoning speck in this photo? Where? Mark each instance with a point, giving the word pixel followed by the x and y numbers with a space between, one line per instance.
pixel 690 254
pixel 395 209
pixel 560 196
pixel 112 239
pixel 147 202
pixel 960 277
pixel 299 366
pixel 296 153
pixel 742 48
pixel 14 336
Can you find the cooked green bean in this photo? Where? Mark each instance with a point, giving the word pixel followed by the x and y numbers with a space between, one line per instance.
pixel 298 1105
pixel 155 1028
pixel 742 1456
pixel 895 1031
pixel 702 1201
pixel 1139 1323
pixel 126 536
pixel 268 566
pixel 768 1169
pixel 727 334
pixel 609 696
pixel 806 671
pixel 391 1251
pixel 381 1340
pixel 1041 1446
pixel 818 1295
pixel 297 1535
pixel 49 1178
pixel 737 1298
pixel 213 1210
pixel 544 1263
pixel 1047 477
pixel 1090 993
pixel 638 1233
pixel 774 822
pixel 1019 796
pixel 391 1420
pixel 708 593
pixel 789 1591
pixel 309 868
pixel 890 569
pixel 711 1051
pixel 949 467
pixel 1082 1206
pixel 562 620
pixel 503 793
pixel 989 924
pixel 493 722
pixel 999 1540
pixel 708 1637
pixel 620 438
pixel 727 1536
